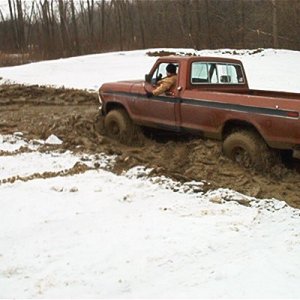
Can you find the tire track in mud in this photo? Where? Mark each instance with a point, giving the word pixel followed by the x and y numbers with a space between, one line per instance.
pixel 71 115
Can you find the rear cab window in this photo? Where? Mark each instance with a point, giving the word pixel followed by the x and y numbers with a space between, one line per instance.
pixel 216 73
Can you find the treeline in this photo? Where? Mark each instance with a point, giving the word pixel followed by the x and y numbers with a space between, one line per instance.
pixel 57 28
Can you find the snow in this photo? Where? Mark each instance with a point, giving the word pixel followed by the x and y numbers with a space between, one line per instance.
pixel 96 234
pixel 266 70
pixel 53 140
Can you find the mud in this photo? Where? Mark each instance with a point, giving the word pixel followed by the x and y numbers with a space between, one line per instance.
pixel 71 115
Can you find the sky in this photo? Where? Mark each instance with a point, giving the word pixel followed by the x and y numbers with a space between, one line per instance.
pixel 100 235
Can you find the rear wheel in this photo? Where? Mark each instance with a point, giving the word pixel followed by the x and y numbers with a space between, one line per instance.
pixel 119 126
pixel 249 150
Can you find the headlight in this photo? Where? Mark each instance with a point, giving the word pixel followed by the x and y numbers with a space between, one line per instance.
pixel 100 101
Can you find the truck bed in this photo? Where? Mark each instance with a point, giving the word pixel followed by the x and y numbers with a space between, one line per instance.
pixel 274 94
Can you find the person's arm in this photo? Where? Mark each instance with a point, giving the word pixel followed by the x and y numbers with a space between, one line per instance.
pixel 165 85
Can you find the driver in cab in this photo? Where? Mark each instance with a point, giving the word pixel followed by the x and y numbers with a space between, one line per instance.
pixel 167 84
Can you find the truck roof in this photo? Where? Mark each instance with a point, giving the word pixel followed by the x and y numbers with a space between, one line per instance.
pixel 179 58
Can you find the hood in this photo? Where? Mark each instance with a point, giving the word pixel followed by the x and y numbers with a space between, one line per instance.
pixel 120 86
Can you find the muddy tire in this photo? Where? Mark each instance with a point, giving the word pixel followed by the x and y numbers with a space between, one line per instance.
pixel 249 150
pixel 119 126
pixel 99 124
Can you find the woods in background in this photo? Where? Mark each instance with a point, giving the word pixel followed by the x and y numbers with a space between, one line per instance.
pixel 47 29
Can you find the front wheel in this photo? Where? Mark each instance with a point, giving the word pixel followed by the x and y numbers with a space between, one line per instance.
pixel 119 126
pixel 249 150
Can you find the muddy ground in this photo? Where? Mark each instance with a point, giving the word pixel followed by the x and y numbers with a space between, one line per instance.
pixel 71 115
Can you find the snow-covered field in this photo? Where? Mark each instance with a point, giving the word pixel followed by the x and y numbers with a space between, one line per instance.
pixel 100 235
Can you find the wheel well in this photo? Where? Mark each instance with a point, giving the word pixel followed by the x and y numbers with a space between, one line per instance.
pixel 236 125
pixel 113 105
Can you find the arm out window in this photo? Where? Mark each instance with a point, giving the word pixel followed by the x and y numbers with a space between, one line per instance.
pixel 160 72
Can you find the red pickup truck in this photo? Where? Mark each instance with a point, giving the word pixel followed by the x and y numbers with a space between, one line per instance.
pixel 212 99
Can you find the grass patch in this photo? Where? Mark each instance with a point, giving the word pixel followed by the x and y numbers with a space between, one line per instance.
pixel 14 59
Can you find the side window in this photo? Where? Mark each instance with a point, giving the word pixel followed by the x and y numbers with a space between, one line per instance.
pixel 230 74
pixel 239 73
pixel 160 72
pixel 213 73
pixel 204 73
pixel 216 73
pixel 199 72
pixel 224 77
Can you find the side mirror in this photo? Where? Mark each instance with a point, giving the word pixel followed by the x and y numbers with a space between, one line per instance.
pixel 148 78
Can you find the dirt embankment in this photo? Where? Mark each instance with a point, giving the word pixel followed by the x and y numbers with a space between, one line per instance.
pixel 71 115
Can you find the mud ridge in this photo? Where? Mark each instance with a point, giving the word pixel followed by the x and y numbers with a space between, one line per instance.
pixel 78 168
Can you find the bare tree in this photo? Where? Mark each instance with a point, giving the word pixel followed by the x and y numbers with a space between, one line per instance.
pixel 297 10
pixel 90 10
pixel 56 28
pixel 185 21
pixel 62 6
pixel 274 24
pixel 12 12
pixel 102 20
pixel 141 23
pixel 75 29
pixel 208 25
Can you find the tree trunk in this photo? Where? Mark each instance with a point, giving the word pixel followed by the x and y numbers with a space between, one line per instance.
pixel 141 23
pixel 75 29
pixel 275 24
pixel 90 6
pixel 208 33
pixel 12 13
pixel 198 40
pixel 63 28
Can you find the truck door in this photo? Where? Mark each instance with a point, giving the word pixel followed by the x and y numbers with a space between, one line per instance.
pixel 204 103
pixel 158 111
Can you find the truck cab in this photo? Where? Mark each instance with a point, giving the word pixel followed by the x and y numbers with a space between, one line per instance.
pixel 205 73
